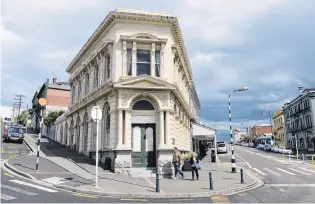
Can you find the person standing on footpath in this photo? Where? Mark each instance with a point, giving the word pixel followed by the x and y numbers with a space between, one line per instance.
pixel 176 163
pixel 194 163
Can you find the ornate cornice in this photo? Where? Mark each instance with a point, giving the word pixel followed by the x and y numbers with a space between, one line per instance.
pixel 143 37
pixel 138 18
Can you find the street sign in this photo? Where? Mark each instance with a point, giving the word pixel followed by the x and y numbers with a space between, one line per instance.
pixel 96 113
pixel 42 102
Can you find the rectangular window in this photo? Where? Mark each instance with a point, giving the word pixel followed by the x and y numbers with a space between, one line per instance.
pixel 108 66
pixel 96 77
pixel 129 62
pixel 157 63
pixel 143 62
pixel 87 83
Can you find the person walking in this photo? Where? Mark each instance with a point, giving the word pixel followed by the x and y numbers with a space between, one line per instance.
pixel 194 162
pixel 176 163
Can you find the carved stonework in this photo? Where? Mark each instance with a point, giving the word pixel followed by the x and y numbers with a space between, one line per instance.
pixel 163 99
pixel 122 163
pixel 125 97
pixel 165 166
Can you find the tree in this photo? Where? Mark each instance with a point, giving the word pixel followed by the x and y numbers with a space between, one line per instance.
pixel 51 117
pixel 22 118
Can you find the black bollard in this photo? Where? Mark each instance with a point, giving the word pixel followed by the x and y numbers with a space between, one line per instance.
pixel 211 182
pixel 242 176
pixel 157 183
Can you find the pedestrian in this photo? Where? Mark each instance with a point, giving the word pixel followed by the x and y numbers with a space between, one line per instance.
pixel 194 163
pixel 176 163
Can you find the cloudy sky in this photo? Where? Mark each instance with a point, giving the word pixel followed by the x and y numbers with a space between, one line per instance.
pixel 266 45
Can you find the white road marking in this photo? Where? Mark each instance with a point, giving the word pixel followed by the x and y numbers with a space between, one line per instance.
pixel 55 180
pixel 309 170
pixel 18 190
pixel 275 173
pixel 288 172
pixel 34 186
pixel 260 172
pixel 280 189
pixel 152 184
pixel 300 172
pixel 7 197
pixel 291 185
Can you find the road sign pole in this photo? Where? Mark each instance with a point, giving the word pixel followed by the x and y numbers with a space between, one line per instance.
pixel 96 114
pixel 97 133
pixel 39 137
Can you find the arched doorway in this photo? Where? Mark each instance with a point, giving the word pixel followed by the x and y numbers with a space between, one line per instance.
pixel 85 132
pixel 61 134
pixel 66 134
pixel 143 134
pixel 78 133
pixel 71 134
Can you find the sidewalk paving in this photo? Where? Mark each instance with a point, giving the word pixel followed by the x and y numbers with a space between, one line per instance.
pixel 55 163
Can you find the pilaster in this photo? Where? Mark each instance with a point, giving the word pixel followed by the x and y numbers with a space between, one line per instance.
pixel 134 59
pixel 124 58
pixel 119 129
pixel 161 121
pixel 153 60
pixel 162 60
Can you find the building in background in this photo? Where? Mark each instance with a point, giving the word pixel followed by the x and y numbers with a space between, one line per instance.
pixel 58 98
pixel 299 121
pixel 278 128
pixel 260 130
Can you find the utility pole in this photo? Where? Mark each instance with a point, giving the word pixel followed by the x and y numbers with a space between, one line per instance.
pixel 18 101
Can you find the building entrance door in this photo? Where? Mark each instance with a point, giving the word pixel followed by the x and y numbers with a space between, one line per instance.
pixel 143 145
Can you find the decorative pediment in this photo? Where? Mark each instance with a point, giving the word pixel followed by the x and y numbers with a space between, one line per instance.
pixel 144 82
pixel 143 37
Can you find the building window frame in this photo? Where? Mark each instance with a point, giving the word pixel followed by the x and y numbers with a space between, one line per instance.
pixel 144 63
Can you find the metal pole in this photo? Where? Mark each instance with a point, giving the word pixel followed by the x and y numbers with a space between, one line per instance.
pixel 296 146
pixel 97 133
pixel 210 180
pixel 242 176
pixel 39 136
pixel 231 135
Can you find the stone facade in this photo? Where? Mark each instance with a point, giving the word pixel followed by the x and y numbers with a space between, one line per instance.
pixel 133 58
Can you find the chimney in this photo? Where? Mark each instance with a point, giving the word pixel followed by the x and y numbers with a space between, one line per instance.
pixel 54 80
pixel 301 89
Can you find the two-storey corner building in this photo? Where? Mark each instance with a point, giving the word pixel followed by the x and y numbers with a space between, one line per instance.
pixel 278 128
pixel 299 121
pixel 135 67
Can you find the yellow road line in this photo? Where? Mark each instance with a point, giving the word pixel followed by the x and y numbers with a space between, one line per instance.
pixel 133 199
pixel 84 195
pixel 220 199
pixel 7 174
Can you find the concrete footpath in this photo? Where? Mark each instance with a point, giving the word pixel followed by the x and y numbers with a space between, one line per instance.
pixel 66 169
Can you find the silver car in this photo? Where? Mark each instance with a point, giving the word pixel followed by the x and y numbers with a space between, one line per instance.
pixel 13 133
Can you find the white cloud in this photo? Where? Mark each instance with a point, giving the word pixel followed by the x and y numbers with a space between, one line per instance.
pixel 276 105
pixel 6 111
pixel 9 39
pixel 222 22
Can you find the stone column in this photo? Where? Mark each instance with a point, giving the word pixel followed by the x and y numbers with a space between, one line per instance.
pixel 81 137
pixel 167 128
pixel 134 59
pixel 153 60
pixel 119 129
pixel 91 79
pixel 162 144
pixel 124 59
pixel 126 128
pixel 89 140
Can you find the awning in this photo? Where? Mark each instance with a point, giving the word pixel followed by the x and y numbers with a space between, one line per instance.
pixel 202 132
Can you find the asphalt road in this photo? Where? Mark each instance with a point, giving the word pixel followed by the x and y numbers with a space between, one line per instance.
pixel 15 189
pixel 284 182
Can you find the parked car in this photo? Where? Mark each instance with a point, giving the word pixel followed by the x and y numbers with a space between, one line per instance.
pixel 275 149
pixel 14 133
pixel 221 148
pixel 267 147
pixel 260 146
pixel 251 144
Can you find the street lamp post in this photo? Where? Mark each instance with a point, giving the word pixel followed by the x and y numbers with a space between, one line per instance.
pixel 231 134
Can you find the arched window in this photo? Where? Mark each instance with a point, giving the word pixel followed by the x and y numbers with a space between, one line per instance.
pixel 79 90
pixel 106 127
pixel 143 105
pixel 85 131
pixel 96 76
pixel 87 83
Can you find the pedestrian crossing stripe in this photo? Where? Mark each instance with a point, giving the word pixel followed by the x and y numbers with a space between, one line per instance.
pixel 7 197
pixel 260 172
pixel 300 172
pixel 288 172
pixel 309 170
pixel 34 186
pixel 16 189
pixel 275 173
